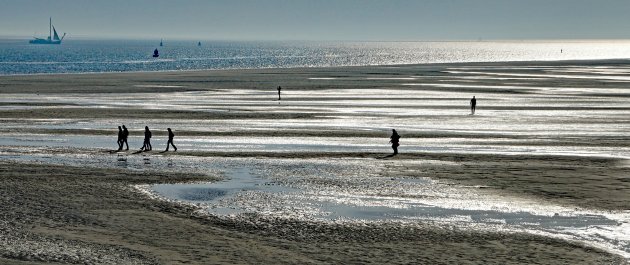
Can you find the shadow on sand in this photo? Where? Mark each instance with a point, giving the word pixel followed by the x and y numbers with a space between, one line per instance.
pixel 385 157
pixel 112 151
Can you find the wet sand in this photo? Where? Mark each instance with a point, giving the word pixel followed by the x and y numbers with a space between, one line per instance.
pixel 552 132
pixel 87 215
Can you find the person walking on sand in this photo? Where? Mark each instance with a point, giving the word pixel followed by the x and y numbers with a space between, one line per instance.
pixel 147 140
pixel 120 138
pixel 170 140
pixel 394 139
pixel 124 138
pixel 473 105
pixel 279 88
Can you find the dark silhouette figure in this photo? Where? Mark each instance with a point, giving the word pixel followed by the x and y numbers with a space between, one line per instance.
pixel 279 88
pixel 394 139
pixel 170 140
pixel 147 140
pixel 120 138
pixel 156 53
pixel 124 138
pixel 473 105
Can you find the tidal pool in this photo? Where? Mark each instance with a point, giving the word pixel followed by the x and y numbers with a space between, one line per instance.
pixel 348 196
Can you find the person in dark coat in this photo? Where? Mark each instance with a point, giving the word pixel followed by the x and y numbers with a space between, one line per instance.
pixel 147 140
pixel 120 138
pixel 124 139
pixel 279 88
pixel 394 140
pixel 170 140
pixel 473 105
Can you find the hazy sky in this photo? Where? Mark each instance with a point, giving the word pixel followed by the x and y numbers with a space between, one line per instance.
pixel 320 19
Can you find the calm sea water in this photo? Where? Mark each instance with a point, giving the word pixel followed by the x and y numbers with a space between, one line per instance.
pixel 79 56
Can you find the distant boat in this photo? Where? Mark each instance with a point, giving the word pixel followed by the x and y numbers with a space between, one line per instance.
pixel 199 43
pixel 161 44
pixel 156 53
pixel 52 38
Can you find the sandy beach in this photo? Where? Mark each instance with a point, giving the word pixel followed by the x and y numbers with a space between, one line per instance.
pixel 539 175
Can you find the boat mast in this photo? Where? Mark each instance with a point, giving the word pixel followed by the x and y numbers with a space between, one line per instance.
pixel 50 28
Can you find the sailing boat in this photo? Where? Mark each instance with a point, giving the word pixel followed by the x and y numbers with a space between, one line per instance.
pixel 161 44
pixel 199 43
pixel 52 38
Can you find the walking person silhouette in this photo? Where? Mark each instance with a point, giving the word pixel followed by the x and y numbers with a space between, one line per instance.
pixel 279 88
pixel 120 138
pixel 394 140
pixel 473 105
pixel 170 140
pixel 147 140
pixel 124 138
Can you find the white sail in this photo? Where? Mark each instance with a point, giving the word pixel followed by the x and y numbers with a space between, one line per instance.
pixel 56 37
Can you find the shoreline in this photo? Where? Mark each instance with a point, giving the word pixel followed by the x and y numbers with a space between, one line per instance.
pixel 302 68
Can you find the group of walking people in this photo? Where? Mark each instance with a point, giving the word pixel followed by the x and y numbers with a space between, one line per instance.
pixel 123 134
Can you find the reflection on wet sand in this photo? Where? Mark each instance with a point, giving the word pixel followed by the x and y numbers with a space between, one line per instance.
pixel 545 156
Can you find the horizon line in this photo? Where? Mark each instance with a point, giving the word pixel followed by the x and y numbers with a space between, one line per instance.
pixel 178 39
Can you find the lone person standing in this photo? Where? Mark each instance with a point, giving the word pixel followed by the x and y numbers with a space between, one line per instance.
pixel 473 104
pixel 279 88
pixel 170 140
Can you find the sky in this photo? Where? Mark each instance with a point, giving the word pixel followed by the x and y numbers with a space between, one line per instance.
pixel 358 20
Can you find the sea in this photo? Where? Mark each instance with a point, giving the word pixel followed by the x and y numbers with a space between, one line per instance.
pixel 18 57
